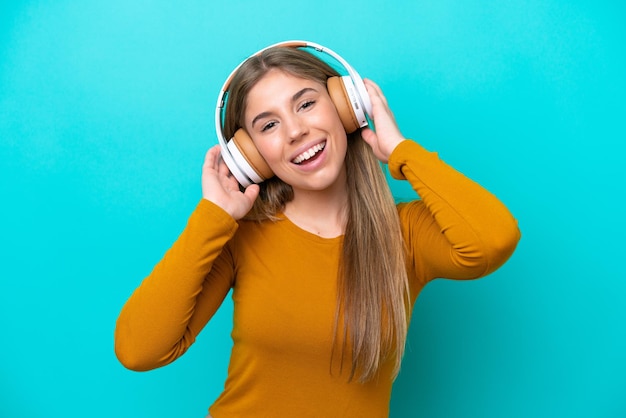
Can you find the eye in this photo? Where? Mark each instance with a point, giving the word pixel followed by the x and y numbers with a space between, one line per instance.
pixel 307 104
pixel 268 126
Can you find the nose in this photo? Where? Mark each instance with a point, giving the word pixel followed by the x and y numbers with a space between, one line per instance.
pixel 296 127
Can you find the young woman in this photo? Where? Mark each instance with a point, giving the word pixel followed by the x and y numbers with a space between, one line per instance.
pixel 324 267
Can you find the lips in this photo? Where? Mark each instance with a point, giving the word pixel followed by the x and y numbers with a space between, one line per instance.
pixel 309 154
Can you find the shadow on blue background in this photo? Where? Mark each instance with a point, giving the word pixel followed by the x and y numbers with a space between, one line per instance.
pixel 106 112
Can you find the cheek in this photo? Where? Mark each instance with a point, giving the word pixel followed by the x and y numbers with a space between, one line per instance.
pixel 336 122
pixel 269 149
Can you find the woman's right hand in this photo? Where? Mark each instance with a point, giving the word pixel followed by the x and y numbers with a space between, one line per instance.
pixel 221 187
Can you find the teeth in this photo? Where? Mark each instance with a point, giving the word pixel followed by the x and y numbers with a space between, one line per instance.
pixel 309 153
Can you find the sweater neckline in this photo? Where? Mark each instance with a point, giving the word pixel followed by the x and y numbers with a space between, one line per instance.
pixel 295 229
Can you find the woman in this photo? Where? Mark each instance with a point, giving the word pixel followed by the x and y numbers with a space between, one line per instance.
pixel 323 265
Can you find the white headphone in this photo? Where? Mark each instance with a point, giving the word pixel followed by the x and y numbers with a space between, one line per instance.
pixel 348 94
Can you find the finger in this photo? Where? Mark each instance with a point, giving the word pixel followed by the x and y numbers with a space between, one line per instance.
pixel 211 157
pixel 252 191
pixel 368 136
pixel 377 94
pixel 223 169
pixel 227 179
pixel 375 88
pixel 372 84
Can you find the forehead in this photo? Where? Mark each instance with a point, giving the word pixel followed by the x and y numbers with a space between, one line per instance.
pixel 277 85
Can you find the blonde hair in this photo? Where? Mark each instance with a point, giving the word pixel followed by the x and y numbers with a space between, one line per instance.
pixel 373 303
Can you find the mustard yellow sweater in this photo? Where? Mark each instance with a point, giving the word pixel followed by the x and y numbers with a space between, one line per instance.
pixel 284 287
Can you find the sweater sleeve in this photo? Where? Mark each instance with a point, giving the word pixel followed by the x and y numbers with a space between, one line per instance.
pixel 162 318
pixel 458 229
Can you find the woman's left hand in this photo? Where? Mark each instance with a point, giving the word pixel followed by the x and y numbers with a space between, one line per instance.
pixel 387 135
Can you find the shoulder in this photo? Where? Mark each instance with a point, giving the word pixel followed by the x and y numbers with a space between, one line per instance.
pixel 416 223
pixel 409 210
pixel 261 235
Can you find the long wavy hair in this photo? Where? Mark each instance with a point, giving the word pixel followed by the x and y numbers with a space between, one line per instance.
pixel 373 304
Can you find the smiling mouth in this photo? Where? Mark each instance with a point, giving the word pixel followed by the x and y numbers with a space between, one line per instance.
pixel 309 154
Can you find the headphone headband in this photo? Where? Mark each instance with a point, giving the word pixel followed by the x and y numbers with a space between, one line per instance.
pixel 237 163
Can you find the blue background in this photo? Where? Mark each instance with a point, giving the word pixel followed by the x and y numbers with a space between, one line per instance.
pixel 106 111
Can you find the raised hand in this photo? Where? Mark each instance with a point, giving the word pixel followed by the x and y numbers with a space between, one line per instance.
pixel 387 135
pixel 220 187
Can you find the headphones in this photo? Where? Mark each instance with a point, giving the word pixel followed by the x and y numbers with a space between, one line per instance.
pixel 347 93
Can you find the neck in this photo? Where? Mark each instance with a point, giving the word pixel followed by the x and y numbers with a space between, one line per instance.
pixel 320 212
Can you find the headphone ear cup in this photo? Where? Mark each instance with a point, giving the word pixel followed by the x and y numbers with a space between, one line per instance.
pixel 251 154
pixel 341 100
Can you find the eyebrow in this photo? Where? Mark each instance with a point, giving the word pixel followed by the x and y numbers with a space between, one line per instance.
pixel 294 98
